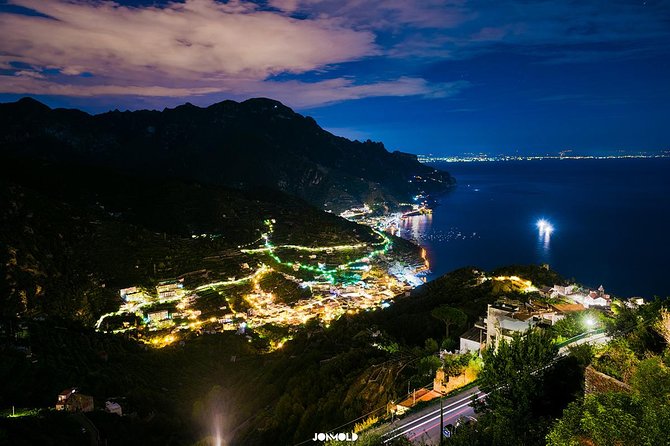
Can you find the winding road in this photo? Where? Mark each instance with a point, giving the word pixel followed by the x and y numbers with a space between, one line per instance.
pixel 424 425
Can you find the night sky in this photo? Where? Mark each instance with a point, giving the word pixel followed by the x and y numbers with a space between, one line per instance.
pixel 424 76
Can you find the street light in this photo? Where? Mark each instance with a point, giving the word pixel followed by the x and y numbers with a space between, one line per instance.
pixel 590 323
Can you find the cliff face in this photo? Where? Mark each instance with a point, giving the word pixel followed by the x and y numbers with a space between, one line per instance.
pixel 252 143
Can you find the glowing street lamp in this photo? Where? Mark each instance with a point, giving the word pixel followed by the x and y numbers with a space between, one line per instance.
pixel 590 323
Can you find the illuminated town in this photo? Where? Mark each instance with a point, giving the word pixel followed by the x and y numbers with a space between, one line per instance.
pixel 310 284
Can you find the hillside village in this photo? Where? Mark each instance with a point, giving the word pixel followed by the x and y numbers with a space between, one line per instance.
pixel 508 318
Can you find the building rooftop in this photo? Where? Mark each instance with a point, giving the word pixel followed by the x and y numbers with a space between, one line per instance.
pixel 419 395
pixel 474 334
pixel 568 308
pixel 506 305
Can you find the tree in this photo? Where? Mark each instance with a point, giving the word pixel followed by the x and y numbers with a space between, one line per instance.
pixel 639 326
pixel 513 378
pixel 617 360
pixel 638 417
pixel 604 419
pixel 662 325
pixel 651 380
pixel 452 317
pixel 431 346
pixel 428 366
pixel 574 324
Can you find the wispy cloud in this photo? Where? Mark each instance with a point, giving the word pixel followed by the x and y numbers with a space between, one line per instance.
pixel 564 32
pixel 210 48
pixel 178 41
pixel 293 92
pixel 195 48
pixel 463 28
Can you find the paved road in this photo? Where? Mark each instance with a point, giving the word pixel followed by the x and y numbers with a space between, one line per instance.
pixel 424 426
pixel 594 339
pixel 87 427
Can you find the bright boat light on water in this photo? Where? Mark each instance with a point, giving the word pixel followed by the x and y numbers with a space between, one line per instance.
pixel 544 226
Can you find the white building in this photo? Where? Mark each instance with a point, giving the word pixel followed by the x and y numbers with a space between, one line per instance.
pixel 507 317
pixel 168 289
pixel 565 290
pixel 473 340
pixel 160 315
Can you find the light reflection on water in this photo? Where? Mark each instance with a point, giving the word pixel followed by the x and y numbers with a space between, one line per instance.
pixel 421 230
pixel 543 244
pixel 416 227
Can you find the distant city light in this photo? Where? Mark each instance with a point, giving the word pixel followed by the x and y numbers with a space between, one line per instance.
pixel 485 157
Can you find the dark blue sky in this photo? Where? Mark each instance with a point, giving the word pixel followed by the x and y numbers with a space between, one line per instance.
pixel 436 76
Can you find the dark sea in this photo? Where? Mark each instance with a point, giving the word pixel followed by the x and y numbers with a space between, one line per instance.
pixel 611 221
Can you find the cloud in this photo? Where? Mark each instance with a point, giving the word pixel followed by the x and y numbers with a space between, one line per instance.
pixel 178 40
pixel 25 82
pixel 324 51
pixel 465 28
pixel 285 5
pixel 195 47
pixel 294 93
pixel 567 31
pixel 199 48
pixel 308 95
pixel 381 15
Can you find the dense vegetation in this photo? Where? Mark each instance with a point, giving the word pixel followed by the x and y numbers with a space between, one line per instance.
pixel 636 411
pixel 537 398
pixel 523 392
pixel 324 377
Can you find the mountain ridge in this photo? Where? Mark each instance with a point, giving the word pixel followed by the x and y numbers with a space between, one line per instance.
pixel 257 142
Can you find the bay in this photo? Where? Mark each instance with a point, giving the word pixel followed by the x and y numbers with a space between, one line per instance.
pixel 611 221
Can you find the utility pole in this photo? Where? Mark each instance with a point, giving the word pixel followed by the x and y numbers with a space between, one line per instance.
pixel 441 420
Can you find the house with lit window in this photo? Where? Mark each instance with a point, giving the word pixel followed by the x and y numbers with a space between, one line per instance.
pixel 169 288
pixel 71 400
